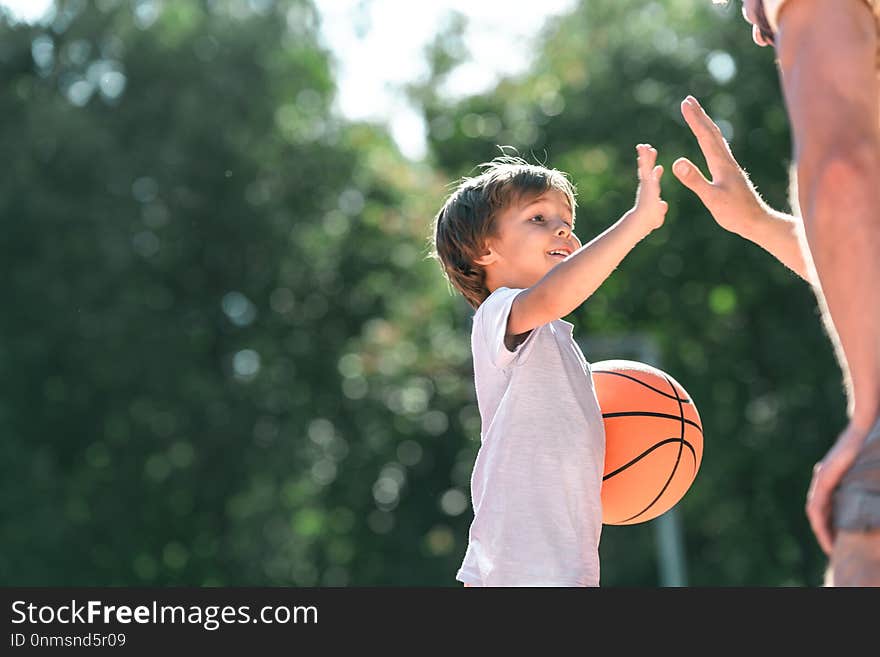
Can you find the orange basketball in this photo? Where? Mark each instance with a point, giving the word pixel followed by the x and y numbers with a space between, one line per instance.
pixel 653 440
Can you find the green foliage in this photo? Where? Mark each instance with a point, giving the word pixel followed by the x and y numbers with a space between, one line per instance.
pixel 229 361
pixel 217 294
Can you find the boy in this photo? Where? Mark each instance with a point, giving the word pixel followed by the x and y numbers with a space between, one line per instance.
pixel 505 240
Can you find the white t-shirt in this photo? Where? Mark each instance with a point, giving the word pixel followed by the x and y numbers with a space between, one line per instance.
pixel 537 478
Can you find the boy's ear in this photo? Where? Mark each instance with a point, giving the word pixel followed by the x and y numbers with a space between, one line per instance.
pixel 489 256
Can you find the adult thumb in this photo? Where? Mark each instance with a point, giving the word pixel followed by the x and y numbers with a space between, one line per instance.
pixel 691 177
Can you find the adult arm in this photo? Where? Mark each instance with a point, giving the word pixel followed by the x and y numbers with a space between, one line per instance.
pixel 827 61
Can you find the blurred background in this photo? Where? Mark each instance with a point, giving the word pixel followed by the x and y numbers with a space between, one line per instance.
pixel 227 357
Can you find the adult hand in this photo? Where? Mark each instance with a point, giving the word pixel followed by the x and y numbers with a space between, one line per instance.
pixel 827 474
pixel 729 197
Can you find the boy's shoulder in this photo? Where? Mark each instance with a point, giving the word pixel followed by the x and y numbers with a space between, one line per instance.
pixel 489 335
pixel 497 300
pixel 495 308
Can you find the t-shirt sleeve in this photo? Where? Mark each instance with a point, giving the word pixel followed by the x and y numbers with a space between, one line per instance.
pixel 490 327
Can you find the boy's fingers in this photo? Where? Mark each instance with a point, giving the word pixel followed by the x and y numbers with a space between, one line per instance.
pixel 691 177
pixel 657 172
pixel 646 157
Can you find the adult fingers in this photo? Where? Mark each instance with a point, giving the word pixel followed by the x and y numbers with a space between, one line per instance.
pixel 692 178
pixel 708 134
pixel 819 509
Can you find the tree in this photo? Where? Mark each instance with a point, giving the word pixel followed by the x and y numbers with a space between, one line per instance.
pixel 218 291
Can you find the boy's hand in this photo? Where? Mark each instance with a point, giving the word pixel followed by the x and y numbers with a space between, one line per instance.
pixel 650 209
pixel 730 196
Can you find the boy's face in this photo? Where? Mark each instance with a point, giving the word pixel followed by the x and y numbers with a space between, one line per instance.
pixel 532 236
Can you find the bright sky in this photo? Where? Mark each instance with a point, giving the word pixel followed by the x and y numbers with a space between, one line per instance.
pixel 378 45
pixel 389 52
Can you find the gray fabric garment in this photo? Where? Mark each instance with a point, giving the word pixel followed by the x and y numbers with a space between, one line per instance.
pixel 857 498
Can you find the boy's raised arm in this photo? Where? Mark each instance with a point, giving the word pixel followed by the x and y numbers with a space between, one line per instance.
pixel 577 277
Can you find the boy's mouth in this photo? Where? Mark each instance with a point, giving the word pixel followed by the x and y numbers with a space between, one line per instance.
pixel 559 253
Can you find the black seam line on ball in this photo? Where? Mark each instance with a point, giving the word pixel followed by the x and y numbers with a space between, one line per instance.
pixel 647 385
pixel 648 451
pixel 652 414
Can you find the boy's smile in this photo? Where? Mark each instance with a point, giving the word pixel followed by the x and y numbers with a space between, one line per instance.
pixel 531 237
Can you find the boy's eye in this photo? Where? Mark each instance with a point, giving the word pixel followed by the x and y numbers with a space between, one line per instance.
pixel 537 218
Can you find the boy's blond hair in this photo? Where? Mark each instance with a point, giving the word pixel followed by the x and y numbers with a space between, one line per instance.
pixel 468 216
